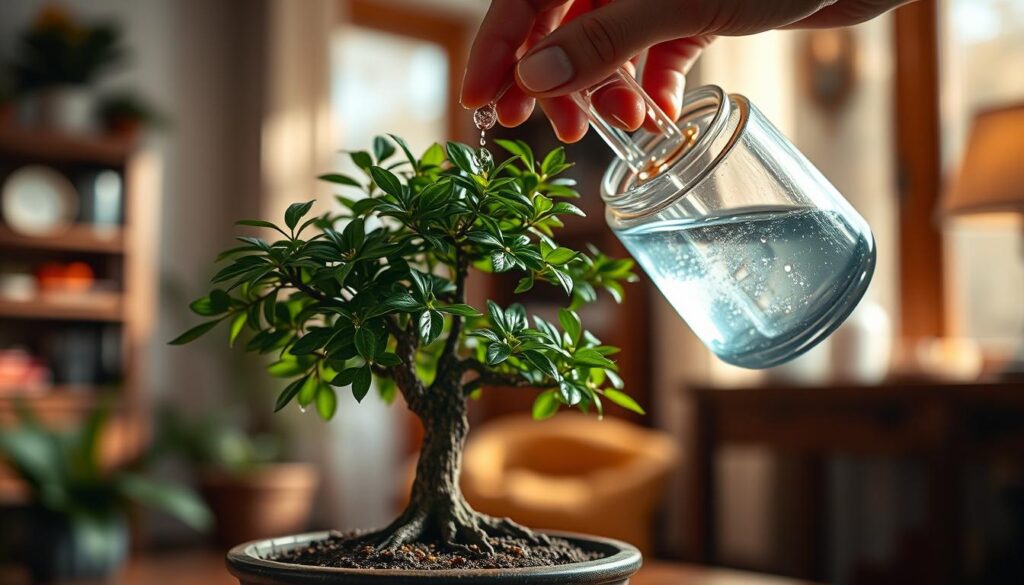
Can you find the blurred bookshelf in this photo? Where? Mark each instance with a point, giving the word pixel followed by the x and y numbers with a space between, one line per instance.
pixel 76 303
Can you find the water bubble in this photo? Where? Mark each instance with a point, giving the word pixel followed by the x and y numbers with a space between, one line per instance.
pixel 302 409
pixel 787 268
pixel 764 240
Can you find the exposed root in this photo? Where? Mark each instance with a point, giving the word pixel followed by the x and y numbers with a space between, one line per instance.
pixel 456 526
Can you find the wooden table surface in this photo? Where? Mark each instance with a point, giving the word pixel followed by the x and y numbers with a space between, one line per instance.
pixel 208 569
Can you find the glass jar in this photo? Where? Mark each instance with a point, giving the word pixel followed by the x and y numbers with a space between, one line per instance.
pixel 749 242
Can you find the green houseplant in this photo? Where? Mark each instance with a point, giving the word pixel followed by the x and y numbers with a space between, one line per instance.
pixel 378 292
pixel 57 60
pixel 76 524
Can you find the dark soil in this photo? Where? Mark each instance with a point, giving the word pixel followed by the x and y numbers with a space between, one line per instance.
pixel 345 551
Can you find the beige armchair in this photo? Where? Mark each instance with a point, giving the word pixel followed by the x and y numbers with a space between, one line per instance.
pixel 573 472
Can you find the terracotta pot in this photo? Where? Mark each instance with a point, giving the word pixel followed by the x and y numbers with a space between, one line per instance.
pixel 267 501
pixel 621 561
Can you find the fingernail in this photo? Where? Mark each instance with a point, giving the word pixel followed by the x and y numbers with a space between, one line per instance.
pixel 546 69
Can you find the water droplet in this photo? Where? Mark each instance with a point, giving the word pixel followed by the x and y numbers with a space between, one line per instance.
pixel 485 117
pixel 484 159
pixel 787 268
pixel 764 240
pixel 302 409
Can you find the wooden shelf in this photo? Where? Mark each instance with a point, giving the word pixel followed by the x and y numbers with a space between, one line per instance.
pixel 55 399
pixel 49 146
pixel 87 307
pixel 80 238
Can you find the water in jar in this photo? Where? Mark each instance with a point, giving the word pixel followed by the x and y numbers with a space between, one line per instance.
pixel 759 285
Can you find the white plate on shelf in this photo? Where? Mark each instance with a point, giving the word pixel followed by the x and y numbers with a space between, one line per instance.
pixel 38 201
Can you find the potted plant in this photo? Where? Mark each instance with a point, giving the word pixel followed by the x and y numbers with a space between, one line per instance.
pixel 250 489
pixel 56 61
pixel 76 525
pixel 123 115
pixel 378 292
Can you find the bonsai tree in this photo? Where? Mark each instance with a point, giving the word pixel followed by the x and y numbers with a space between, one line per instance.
pixel 378 292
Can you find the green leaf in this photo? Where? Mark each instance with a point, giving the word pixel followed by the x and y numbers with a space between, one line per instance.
pixel 340 180
pixel 430 324
pixel 361 383
pixel 433 156
pixel 461 310
pixel 326 401
pixel 236 327
pixel 289 392
pixel 387 181
pixel 405 148
pixel 545 405
pixel 366 342
pixel 559 256
pixel 624 400
pixel 462 156
pixel 497 353
pixel 403 302
pixel 362 159
pixel 194 333
pixel 554 162
pixel 571 324
pixel 308 391
pixel 285 368
pixel 525 284
pixel 295 213
pixel 563 208
pixel 313 340
pixel 382 148
pixel 260 223
pixel 388 360
pixel 518 148
pixel 590 357
pixel 169 498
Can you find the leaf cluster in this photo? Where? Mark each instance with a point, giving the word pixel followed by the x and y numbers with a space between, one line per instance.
pixel 375 288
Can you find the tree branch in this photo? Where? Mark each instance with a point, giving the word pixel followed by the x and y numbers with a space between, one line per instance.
pixel 488 377
pixel 296 281
pixel 451 344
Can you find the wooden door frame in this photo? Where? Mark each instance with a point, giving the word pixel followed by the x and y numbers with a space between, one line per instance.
pixel 919 168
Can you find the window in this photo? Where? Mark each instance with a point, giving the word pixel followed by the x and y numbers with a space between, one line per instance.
pixel 982 56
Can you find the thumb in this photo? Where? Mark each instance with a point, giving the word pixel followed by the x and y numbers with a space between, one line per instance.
pixel 589 48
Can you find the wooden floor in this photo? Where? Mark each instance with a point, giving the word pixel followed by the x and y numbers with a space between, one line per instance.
pixel 208 569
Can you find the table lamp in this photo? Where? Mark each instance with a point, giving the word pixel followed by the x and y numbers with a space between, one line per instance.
pixel 991 177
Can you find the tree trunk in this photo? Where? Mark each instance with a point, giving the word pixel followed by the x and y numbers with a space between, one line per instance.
pixel 445 428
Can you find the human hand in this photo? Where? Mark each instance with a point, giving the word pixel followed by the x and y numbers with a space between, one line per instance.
pixel 556 47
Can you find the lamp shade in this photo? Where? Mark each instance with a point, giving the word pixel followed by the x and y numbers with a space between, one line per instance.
pixel 991 176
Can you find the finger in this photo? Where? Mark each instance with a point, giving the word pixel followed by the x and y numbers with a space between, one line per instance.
pixel 587 49
pixel 515 107
pixel 847 13
pixel 618 104
pixel 664 77
pixel 569 122
pixel 505 28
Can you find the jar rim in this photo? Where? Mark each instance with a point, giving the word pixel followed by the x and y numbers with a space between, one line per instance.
pixel 712 111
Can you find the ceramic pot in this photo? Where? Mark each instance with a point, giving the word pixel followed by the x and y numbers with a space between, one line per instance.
pixel 269 500
pixel 247 562
pixel 66 108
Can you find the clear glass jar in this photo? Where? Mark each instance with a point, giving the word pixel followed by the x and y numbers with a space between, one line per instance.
pixel 756 250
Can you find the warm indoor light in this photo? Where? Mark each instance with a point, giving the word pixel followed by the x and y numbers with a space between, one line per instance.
pixel 991 176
